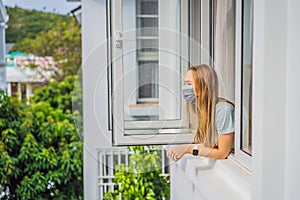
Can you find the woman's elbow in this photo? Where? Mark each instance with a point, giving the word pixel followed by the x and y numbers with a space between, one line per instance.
pixel 223 155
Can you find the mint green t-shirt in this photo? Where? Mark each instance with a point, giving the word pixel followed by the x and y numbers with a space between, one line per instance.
pixel 224 118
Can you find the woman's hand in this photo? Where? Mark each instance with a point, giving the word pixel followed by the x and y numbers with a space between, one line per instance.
pixel 177 152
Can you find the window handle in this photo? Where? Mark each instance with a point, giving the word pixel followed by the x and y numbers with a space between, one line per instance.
pixel 119 39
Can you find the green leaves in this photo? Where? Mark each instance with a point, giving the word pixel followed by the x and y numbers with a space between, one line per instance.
pixel 65 95
pixel 141 178
pixel 27 23
pixel 41 143
pixel 62 41
pixel 31 186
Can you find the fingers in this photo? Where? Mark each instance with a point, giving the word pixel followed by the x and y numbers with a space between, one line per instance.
pixel 171 154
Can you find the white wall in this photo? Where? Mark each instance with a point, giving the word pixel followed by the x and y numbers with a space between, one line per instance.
pixel 95 100
pixel 276 97
pixel 269 88
pixel 197 178
pixel 276 100
pixel 2 57
pixel 292 141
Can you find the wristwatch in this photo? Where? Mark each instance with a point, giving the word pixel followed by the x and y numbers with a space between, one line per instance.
pixel 195 150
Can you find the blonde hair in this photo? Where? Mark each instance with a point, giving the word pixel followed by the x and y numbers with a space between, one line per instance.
pixel 206 88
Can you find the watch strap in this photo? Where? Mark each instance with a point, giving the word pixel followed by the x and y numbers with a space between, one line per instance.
pixel 195 150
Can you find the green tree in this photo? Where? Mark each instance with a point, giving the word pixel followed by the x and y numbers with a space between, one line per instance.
pixel 41 144
pixel 65 95
pixel 141 179
pixel 41 148
pixel 62 41
pixel 28 23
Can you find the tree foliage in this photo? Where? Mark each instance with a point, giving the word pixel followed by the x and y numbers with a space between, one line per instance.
pixel 65 95
pixel 41 148
pixel 24 23
pixel 46 34
pixel 62 41
pixel 41 145
pixel 141 179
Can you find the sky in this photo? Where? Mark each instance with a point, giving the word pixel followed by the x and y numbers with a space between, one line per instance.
pixel 56 6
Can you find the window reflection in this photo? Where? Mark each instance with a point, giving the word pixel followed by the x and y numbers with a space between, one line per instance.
pixel 247 45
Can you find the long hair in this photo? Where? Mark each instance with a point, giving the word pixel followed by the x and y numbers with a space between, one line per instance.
pixel 206 88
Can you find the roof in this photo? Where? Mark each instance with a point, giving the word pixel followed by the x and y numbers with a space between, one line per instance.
pixel 28 75
pixel 19 58
pixel 16 53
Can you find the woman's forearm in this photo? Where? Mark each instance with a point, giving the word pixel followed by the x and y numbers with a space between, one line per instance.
pixel 217 153
pixel 209 152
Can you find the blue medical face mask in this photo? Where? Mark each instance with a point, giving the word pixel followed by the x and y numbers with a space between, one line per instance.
pixel 188 94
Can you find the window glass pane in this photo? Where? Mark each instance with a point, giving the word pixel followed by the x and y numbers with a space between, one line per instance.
pixel 148 80
pixel 149 53
pixel 146 45
pixel 148 7
pixel 147 22
pixel 247 76
pixel 147 32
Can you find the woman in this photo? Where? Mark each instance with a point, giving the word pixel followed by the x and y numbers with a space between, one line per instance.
pixel 215 116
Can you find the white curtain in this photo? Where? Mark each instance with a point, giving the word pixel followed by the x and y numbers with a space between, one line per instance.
pixel 224 46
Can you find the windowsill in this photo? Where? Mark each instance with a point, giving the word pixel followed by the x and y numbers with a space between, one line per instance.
pixel 143 105
pixel 143 109
pixel 217 179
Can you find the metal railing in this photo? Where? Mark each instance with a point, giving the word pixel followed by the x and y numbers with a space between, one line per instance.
pixel 108 159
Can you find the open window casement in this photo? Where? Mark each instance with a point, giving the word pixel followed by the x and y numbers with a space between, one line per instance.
pixel 244 49
pixel 149 56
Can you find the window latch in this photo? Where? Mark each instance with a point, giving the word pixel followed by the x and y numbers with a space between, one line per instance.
pixel 119 39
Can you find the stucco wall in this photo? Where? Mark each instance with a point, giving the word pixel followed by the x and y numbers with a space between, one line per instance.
pixel 276 98
pixel 95 94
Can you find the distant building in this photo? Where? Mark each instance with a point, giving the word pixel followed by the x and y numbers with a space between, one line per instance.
pixel 25 72
pixel 29 60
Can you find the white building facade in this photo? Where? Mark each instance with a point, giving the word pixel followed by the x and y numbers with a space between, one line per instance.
pixel 135 53
pixel 3 20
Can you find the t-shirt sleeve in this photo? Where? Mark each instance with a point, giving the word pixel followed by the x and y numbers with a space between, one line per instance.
pixel 225 119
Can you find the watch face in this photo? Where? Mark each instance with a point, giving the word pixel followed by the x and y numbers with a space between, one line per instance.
pixel 195 152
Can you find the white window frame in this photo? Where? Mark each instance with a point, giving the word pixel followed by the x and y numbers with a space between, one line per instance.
pixel 164 132
pixel 241 156
pixel 170 135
